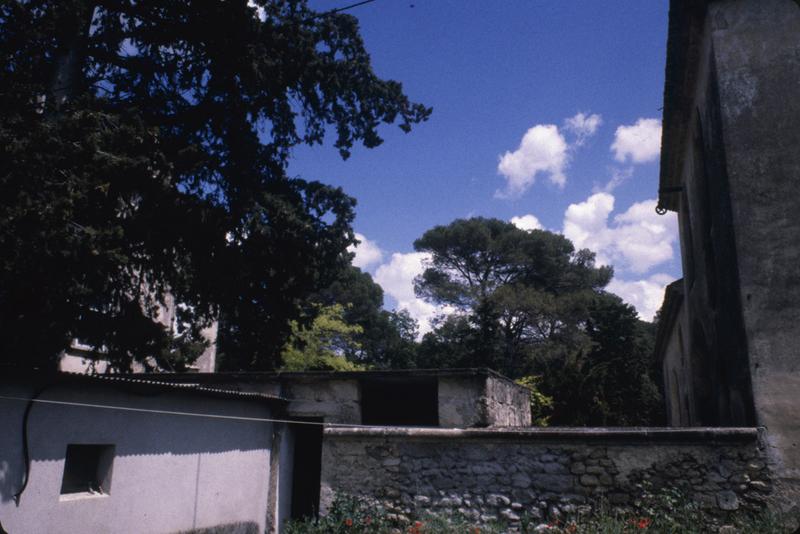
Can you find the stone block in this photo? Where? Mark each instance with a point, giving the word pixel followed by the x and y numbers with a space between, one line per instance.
pixel 556 483
pixel 509 515
pixel 727 500
pixel 521 480
pixel 578 468
pixel 497 500
pixel 554 468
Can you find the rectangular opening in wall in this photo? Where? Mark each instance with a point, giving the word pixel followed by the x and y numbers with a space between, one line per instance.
pixel 306 468
pixel 402 401
pixel 87 469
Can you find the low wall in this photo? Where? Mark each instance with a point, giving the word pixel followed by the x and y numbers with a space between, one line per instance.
pixel 503 474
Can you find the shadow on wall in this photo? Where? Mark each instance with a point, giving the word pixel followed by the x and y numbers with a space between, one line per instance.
pixel 10 478
pixel 231 528
pixel 51 427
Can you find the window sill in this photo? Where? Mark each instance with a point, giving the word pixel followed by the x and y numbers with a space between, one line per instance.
pixel 81 496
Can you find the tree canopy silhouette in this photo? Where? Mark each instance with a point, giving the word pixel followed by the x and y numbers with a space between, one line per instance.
pixel 143 152
pixel 529 305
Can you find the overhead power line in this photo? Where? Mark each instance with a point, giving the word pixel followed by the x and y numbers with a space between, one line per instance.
pixel 171 412
pixel 345 8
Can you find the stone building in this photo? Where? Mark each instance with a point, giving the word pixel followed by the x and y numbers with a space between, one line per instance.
pixel 450 398
pixel 730 168
pixel 82 358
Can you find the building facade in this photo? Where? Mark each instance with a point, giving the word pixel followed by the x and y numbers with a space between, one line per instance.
pixel 93 454
pixel 730 168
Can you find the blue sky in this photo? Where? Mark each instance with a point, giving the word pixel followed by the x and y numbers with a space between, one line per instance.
pixel 549 108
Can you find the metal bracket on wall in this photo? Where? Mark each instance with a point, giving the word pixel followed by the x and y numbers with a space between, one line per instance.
pixel 661 210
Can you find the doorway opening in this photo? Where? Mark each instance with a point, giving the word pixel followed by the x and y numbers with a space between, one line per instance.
pixel 306 467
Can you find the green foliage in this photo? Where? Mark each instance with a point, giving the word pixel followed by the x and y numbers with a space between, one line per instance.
pixel 664 512
pixel 143 149
pixel 521 295
pixel 323 345
pixel 347 514
pixel 612 382
pixel 541 404
pixel 528 304
pixel 387 339
pixel 452 524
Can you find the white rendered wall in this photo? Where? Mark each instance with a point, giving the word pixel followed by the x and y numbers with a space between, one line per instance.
pixel 170 472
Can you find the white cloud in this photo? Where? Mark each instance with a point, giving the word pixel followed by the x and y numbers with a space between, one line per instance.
pixel 636 240
pixel 260 11
pixel 644 295
pixel 526 222
pixel 583 126
pixel 543 150
pixel 397 279
pixel 618 177
pixel 639 142
pixel 366 252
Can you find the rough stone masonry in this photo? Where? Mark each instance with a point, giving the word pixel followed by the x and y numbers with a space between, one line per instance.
pixel 504 475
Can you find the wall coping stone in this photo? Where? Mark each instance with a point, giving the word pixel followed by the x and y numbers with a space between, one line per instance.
pixel 631 435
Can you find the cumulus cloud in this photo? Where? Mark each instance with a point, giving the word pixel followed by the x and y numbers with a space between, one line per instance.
pixel 635 240
pixel 366 252
pixel 639 142
pixel 583 126
pixel 543 150
pixel 645 295
pixel 397 279
pixel 618 177
pixel 526 222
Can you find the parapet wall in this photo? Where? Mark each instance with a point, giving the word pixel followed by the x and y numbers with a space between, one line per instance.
pixel 505 474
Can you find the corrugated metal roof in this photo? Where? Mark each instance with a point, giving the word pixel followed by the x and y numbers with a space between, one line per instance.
pixel 143 381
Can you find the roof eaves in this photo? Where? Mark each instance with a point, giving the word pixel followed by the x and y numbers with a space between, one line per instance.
pixel 686 19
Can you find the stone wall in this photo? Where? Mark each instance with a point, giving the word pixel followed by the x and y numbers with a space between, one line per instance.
pixel 481 401
pixel 508 404
pixel 334 401
pixel 494 474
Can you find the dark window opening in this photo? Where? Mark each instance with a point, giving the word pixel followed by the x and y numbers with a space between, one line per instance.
pixel 400 401
pixel 87 469
pixel 306 468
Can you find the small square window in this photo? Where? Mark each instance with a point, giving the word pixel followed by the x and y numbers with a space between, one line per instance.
pixel 87 469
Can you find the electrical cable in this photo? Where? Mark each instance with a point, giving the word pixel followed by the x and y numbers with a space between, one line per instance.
pixel 26 454
pixel 345 8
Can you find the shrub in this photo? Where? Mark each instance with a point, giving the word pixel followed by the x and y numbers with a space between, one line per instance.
pixel 664 512
pixel 347 514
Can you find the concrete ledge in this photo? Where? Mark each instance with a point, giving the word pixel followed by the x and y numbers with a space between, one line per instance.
pixel 622 435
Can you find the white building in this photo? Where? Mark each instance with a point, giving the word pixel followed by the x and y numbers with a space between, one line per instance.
pixel 105 454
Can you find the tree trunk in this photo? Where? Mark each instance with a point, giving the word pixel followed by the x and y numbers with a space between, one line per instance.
pixel 75 21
